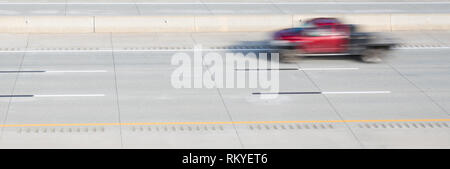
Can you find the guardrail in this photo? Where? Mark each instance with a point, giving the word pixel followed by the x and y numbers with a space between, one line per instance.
pixel 215 23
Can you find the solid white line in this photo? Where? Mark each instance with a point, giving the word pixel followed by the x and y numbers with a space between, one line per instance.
pixel 76 71
pixel 175 50
pixel 328 68
pixel 53 51
pixel 442 47
pixel 358 92
pixel 71 95
pixel 122 50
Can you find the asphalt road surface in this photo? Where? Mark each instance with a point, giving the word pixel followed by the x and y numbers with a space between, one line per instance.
pixel 114 91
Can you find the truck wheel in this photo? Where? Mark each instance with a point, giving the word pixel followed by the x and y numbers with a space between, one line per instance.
pixel 287 55
pixel 373 55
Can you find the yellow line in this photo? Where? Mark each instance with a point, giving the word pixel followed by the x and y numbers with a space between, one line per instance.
pixel 225 122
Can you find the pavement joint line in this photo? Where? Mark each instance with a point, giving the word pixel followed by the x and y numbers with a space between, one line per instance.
pixel 338 114
pixel 116 85
pixel 420 89
pixel 224 122
pixel 5 115
pixel 230 118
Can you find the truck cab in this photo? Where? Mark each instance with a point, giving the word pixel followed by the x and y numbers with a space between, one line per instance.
pixel 324 39
pixel 324 36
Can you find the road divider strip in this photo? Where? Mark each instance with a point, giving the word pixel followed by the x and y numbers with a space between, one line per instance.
pixel 213 23
pixel 225 122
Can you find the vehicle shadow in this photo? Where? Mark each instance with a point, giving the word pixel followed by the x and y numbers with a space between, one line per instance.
pixel 264 47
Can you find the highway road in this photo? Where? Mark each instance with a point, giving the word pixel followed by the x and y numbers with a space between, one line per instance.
pixel 213 7
pixel 114 91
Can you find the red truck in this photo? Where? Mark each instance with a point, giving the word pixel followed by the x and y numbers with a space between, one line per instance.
pixel 329 37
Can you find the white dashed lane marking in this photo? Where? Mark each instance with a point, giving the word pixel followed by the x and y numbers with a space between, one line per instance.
pixel 335 92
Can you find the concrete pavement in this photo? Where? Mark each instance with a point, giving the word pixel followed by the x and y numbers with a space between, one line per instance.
pixel 114 91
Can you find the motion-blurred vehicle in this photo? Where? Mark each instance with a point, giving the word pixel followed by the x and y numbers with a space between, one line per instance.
pixel 330 37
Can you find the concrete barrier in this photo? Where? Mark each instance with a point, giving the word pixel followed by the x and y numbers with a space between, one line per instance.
pixel 242 23
pixel 401 22
pixel 59 24
pixel 370 22
pixel 144 23
pixel 46 24
pixel 13 24
pixel 215 23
